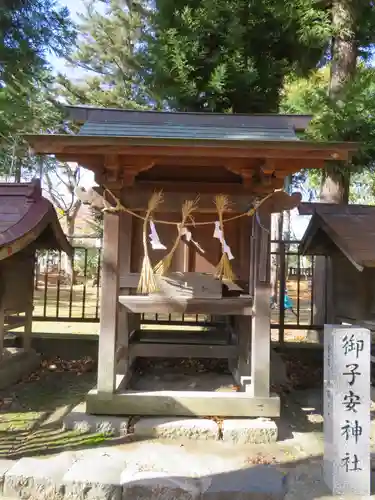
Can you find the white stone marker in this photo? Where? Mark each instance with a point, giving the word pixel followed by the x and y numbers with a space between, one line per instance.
pixel 347 409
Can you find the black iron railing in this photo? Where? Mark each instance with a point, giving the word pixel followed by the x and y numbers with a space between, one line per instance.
pixel 72 293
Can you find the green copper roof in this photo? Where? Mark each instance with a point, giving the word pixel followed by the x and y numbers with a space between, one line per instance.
pixel 174 131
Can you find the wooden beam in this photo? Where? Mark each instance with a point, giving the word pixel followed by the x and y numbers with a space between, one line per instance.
pixel 53 144
pixel 156 350
pixel 183 403
pixel 137 199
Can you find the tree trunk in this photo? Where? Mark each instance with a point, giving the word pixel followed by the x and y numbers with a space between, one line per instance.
pixel 335 185
pixel 335 181
pixel 344 52
pixel 344 49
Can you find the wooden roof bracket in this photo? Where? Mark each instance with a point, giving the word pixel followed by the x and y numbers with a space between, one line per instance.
pixel 115 173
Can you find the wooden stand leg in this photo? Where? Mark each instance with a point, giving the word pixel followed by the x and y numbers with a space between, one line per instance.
pixel 123 341
pixel 241 370
pixel 109 306
pixel 28 328
pixel 2 330
pixel 261 343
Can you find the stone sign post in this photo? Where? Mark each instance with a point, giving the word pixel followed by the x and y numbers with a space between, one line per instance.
pixel 347 409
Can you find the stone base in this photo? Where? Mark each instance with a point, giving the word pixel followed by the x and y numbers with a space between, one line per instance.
pixel 146 473
pixel 237 431
pixel 245 431
pixel 16 364
pixel 79 420
pixel 177 428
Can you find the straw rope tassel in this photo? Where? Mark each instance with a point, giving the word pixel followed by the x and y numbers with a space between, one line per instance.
pixel 147 282
pixel 188 208
pixel 224 268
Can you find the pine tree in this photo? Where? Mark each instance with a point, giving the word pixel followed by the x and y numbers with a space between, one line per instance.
pixel 108 48
pixel 29 31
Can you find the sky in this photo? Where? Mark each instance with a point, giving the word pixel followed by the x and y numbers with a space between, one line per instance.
pixel 76 7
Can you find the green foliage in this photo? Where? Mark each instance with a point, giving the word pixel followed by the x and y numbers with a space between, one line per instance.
pixel 37 111
pixel 29 30
pixel 352 119
pixel 231 55
pixel 107 49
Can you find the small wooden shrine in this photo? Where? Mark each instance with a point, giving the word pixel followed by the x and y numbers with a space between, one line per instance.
pixel 345 234
pixel 27 222
pixel 151 167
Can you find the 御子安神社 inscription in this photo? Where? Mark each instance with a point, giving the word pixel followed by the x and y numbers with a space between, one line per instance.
pixel 347 409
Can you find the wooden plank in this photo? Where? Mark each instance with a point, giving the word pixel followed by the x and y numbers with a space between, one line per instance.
pixel 156 350
pixel 162 305
pixel 109 304
pixel 183 403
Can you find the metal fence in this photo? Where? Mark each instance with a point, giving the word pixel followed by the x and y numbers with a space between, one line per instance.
pixel 294 287
pixel 72 294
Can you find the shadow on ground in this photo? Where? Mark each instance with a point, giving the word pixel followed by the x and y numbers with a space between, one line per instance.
pixel 31 411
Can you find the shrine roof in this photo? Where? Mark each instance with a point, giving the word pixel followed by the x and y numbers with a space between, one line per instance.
pixel 82 114
pixel 348 228
pixel 123 130
pixel 172 131
pixel 124 148
pixel 26 218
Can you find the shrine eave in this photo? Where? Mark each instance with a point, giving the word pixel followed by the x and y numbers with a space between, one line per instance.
pixel 214 148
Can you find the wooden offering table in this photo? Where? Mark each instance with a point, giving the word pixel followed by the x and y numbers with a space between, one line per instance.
pixel 150 167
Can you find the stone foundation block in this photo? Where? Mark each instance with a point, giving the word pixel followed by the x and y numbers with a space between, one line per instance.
pixel 17 365
pixel 79 420
pixel 38 479
pixel 159 486
pixel 5 465
pixel 254 483
pixel 177 428
pixel 252 430
pixel 96 477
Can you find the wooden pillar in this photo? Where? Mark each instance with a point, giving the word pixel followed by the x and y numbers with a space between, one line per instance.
pixel 109 305
pixel 260 327
pixel 241 370
pixel 125 322
pixel 26 344
pixel 27 332
pixel 2 329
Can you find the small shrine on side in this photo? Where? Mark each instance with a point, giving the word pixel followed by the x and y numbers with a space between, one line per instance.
pixel 187 201
pixel 345 234
pixel 28 222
